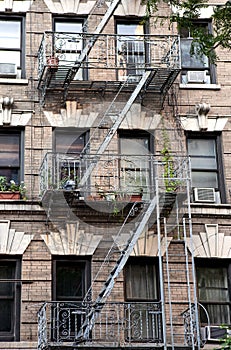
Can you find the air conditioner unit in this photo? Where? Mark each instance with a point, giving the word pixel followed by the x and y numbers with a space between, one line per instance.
pixel 8 70
pixel 206 195
pixel 215 333
pixel 196 77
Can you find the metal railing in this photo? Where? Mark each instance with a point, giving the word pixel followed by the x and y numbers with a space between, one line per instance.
pixel 117 323
pixel 129 54
pixel 113 174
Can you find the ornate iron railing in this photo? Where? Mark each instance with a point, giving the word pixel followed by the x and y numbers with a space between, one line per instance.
pixel 122 175
pixel 129 54
pixel 117 323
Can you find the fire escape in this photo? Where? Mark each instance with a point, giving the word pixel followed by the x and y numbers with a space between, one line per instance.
pixel 134 66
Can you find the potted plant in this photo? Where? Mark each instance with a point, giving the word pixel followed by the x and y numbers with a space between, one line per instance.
pixel 11 190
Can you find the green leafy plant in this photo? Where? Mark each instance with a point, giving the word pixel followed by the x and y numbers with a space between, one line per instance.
pixel 170 181
pixel 226 340
pixel 12 186
pixel 186 12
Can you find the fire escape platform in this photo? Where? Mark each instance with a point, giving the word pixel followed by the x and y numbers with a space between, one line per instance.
pixel 112 60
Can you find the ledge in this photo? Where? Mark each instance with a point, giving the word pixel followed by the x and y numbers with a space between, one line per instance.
pixel 211 209
pixel 201 86
pixel 13 81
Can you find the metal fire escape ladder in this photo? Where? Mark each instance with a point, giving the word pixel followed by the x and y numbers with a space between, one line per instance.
pixel 116 124
pixel 72 72
pixel 109 283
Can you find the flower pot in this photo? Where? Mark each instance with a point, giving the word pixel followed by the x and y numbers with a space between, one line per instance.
pixel 136 198
pixel 52 63
pixel 9 195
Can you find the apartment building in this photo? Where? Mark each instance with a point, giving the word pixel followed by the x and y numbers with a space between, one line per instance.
pixel 115 150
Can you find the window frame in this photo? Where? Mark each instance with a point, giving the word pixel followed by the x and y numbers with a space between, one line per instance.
pixel 143 261
pixel 22 48
pixel 20 168
pixel 217 137
pixel 206 263
pixel 211 67
pixel 131 21
pixel 14 334
pixel 82 73
pixel 86 262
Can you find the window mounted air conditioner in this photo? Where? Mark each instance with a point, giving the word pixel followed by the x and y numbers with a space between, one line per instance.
pixel 8 70
pixel 204 195
pixel 196 77
pixel 215 333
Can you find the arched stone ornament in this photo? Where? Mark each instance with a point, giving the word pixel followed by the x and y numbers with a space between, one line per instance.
pixel 211 243
pixel 11 241
pixel 71 241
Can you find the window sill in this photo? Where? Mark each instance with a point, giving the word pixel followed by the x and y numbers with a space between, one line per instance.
pixel 13 81
pixel 201 86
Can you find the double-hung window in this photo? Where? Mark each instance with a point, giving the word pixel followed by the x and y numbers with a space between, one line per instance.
pixel 71 280
pixel 214 291
pixel 135 166
pixel 142 295
pixel 196 68
pixel 206 168
pixel 11 47
pixel 68 42
pixel 9 299
pixel 130 49
pixel 11 145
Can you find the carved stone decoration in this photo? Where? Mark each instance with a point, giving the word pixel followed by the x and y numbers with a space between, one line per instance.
pixel 6 104
pixel 71 241
pixel 133 8
pixel 202 109
pixel 211 243
pixel 12 241
pixel 146 245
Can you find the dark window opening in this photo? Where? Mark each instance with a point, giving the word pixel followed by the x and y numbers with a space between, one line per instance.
pixel 213 283
pixel 9 299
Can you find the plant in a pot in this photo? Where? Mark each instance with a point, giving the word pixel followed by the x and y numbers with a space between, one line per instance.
pixel 11 190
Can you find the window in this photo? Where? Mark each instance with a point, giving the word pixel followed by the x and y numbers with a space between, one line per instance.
pixel 68 42
pixel 11 155
pixel 141 280
pixel 213 282
pixel 9 299
pixel 11 44
pixel 130 49
pixel 195 68
pixel 71 280
pixel 206 162
pixel 143 314
pixel 135 168
pixel 69 141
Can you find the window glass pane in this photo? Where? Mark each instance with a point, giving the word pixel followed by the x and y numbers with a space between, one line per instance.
pixel 10 34
pixel 141 282
pixel 69 281
pixel 204 179
pixel 9 150
pixel 69 142
pixel 192 61
pixel 70 27
pixel 202 147
pixel 132 29
pixel 6 315
pixel 10 57
pixel 6 272
pixel 213 289
pixel 203 163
